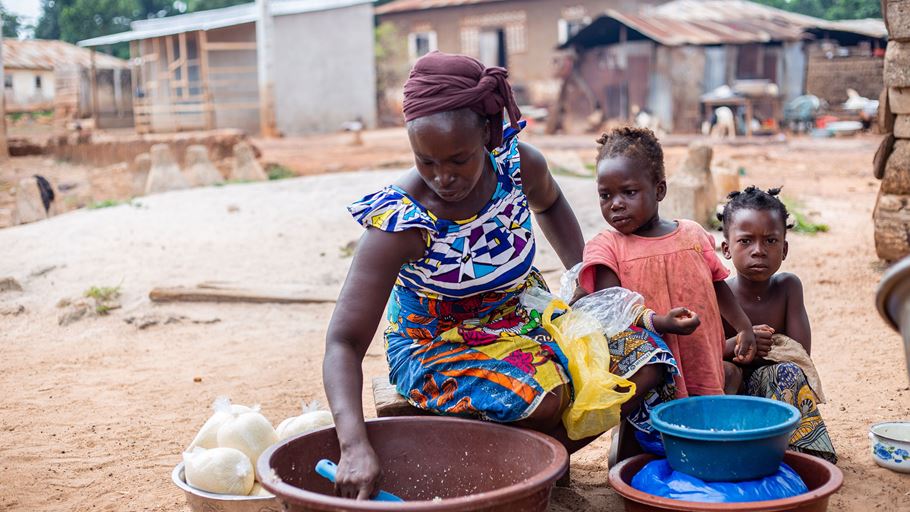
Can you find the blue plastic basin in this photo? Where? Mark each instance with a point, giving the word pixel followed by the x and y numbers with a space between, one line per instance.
pixel 725 438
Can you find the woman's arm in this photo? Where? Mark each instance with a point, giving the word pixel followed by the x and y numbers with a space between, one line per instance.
pixel 363 298
pixel 549 205
pixel 797 319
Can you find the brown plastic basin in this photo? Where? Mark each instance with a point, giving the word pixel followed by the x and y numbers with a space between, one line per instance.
pixel 821 477
pixel 468 465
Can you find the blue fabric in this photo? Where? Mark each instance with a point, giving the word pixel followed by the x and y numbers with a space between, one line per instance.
pixel 659 479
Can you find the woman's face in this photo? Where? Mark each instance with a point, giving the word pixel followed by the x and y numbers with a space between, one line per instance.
pixel 449 152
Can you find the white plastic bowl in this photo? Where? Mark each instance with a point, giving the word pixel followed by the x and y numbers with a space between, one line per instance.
pixel 891 445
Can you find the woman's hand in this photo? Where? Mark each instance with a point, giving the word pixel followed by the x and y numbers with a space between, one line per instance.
pixel 763 342
pixel 677 321
pixel 358 473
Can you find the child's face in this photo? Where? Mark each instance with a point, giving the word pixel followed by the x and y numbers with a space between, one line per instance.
pixel 757 242
pixel 628 194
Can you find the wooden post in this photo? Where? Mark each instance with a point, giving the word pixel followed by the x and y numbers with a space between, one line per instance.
pixel 204 79
pixel 4 147
pixel 264 67
pixel 184 67
pixel 93 80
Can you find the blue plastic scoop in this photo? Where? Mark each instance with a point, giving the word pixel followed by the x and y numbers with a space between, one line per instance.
pixel 326 469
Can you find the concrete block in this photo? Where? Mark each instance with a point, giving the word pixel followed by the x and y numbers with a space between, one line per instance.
pixel 897 170
pixel 899 100
pixel 164 174
pixel 892 226
pixel 29 207
pixel 902 127
pixel 897 14
pixel 200 170
pixel 246 168
pixel 897 64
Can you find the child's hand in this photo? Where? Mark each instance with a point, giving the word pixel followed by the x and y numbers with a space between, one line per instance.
pixel 579 293
pixel 745 347
pixel 677 321
pixel 763 341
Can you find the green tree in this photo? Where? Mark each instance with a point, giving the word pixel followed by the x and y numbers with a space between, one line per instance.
pixel 11 23
pixel 205 5
pixel 830 9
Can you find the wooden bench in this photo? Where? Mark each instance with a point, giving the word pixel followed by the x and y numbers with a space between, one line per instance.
pixel 390 403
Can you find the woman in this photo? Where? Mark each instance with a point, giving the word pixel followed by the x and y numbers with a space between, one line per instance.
pixel 452 244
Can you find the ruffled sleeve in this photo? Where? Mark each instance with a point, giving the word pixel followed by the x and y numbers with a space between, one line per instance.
pixel 391 210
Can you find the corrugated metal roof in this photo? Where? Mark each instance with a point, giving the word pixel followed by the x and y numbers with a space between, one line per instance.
pixel 708 22
pixel 871 27
pixel 215 18
pixel 46 54
pixel 419 5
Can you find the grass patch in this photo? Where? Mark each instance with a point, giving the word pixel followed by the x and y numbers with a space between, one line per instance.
pixel 279 172
pixel 801 222
pixel 104 297
pixel 107 203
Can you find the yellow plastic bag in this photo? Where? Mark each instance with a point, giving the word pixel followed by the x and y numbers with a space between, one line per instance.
pixel 597 400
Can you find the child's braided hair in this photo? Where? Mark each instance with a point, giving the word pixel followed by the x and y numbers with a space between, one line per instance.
pixel 753 198
pixel 634 143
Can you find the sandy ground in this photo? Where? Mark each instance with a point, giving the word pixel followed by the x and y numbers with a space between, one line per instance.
pixel 94 415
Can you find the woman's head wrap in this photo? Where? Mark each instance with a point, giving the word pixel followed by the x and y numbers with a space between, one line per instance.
pixel 441 82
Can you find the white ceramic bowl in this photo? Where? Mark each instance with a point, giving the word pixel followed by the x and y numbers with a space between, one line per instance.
pixel 891 445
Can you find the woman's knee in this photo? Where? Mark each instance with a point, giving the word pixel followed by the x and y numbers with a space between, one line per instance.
pixel 548 414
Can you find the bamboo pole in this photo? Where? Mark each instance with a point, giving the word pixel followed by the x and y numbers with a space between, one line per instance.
pixel 204 79
pixel 94 89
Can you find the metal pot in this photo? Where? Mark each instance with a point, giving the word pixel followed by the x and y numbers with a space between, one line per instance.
pixel 201 501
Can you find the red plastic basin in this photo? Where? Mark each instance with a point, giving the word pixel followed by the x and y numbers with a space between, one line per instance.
pixel 467 465
pixel 821 477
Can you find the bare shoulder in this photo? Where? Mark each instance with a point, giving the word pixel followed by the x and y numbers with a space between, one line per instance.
pixel 533 163
pixel 789 284
pixel 788 280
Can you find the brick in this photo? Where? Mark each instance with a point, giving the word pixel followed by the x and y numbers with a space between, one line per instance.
pixel 898 15
pixel 892 226
pixel 897 170
pixel 897 64
pixel 885 115
pixel 882 155
pixel 902 127
pixel 899 100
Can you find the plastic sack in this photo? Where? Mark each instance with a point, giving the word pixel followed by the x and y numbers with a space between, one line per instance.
pixel 597 400
pixel 659 479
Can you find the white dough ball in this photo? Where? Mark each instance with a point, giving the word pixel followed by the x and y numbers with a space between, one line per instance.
pixel 248 432
pixel 208 435
pixel 258 490
pixel 304 423
pixel 219 470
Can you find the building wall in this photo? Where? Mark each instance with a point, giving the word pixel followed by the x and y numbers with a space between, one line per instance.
pixel 328 77
pixel 25 91
pixel 531 31
pixel 238 87
pixel 829 79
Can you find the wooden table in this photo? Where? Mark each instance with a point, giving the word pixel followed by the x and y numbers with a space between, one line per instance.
pixel 748 103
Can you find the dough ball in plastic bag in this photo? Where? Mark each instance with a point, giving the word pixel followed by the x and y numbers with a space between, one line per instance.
pixel 258 490
pixel 208 434
pixel 219 470
pixel 312 418
pixel 248 432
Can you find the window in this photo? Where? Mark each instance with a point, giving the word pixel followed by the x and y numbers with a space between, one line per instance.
pixel 37 82
pixel 421 43
pixel 7 81
pixel 568 28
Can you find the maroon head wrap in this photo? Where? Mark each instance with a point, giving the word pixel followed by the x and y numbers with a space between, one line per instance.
pixel 440 82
